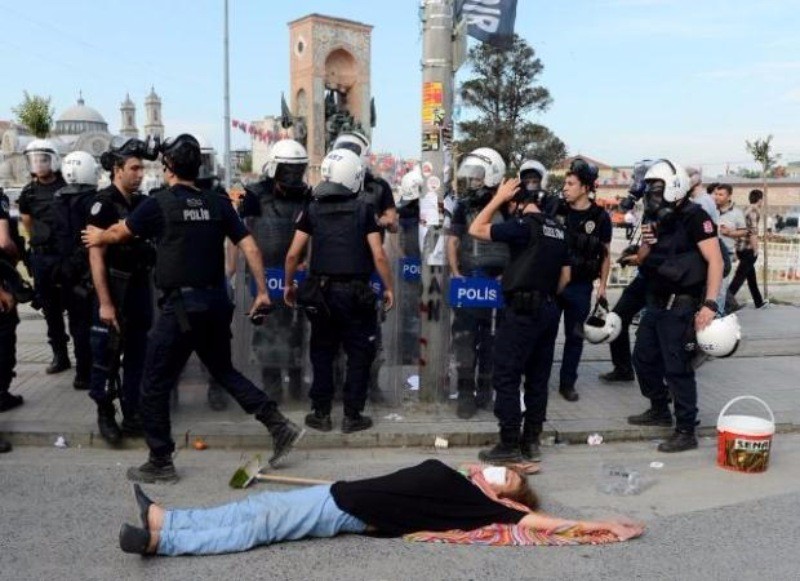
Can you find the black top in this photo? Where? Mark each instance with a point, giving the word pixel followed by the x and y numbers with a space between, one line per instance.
pixel 5 207
pixel 428 497
pixel 386 200
pixel 36 201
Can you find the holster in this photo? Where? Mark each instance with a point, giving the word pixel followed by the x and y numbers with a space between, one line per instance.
pixel 526 302
pixel 311 296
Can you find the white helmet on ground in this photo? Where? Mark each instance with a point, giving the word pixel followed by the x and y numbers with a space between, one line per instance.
pixel 42 156
pixel 721 337
pixel 80 168
pixel 411 186
pixel 676 180
pixel 483 167
pixel 355 142
pixel 342 174
pixel 533 165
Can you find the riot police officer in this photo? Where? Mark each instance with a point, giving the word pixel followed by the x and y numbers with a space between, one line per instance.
pixel 190 226
pixel 472 330
pixel 71 207
pixel 408 213
pixel 10 250
pixel 378 193
pixel 123 312
pixel 36 211
pixel 683 270
pixel 270 208
pixel 538 271
pixel 339 300
pixel 589 236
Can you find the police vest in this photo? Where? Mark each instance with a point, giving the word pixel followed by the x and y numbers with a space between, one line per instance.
pixel 538 268
pixel 474 254
pixel 138 255
pixel 409 229
pixel 273 228
pixel 41 211
pixel 70 213
pixel 13 230
pixel 587 250
pixel 191 251
pixel 675 263
pixel 339 244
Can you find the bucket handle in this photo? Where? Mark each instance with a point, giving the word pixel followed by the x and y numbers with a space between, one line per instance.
pixel 743 397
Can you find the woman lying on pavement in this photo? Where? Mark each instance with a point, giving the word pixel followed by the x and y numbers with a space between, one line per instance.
pixel 427 497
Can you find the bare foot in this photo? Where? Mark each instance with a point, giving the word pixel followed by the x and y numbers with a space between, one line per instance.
pixel 155 518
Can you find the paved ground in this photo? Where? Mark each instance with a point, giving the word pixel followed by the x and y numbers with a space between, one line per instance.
pixel 767 365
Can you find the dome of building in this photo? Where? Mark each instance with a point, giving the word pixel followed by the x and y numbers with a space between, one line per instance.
pixel 80 119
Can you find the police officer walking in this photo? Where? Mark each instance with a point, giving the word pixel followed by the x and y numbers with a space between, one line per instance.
pixel 190 226
pixel 270 208
pixel 337 296
pixel 123 312
pixel 589 236
pixel 410 249
pixel 526 336
pixel 10 251
pixel 36 211
pixel 71 207
pixel 473 329
pixel 683 270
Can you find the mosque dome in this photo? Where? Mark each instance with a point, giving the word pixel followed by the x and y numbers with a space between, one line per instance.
pixel 80 119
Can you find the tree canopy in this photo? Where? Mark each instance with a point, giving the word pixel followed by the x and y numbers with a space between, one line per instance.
pixel 35 113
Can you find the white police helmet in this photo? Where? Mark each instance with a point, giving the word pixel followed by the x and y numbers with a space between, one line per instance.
pixel 532 165
pixel 598 330
pixel 41 155
pixel 721 337
pixel 411 186
pixel 80 168
pixel 342 174
pixel 676 180
pixel 355 142
pixel 287 152
pixel 482 167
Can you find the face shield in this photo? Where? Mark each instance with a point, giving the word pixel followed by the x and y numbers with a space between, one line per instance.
pixel 290 177
pixel 531 180
pixel 354 147
pixel 470 179
pixel 208 166
pixel 40 163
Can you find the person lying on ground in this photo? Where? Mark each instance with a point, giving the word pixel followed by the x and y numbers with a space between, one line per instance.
pixel 428 497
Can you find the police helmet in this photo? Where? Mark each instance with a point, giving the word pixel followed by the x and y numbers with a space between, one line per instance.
pixel 411 186
pixel 42 157
pixel 721 337
pixel 181 155
pixel 675 180
pixel 587 173
pixel 531 168
pixel 208 166
pixel 637 183
pixel 80 167
pixel 602 326
pixel 481 168
pixel 286 164
pixel 123 148
pixel 342 174
pixel 354 141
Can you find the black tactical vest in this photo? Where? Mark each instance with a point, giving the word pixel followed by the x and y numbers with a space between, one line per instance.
pixel 273 228
pixel 13 229
pixel 136 256
pixel 474 254
pixel 191 251
pixel 373 192
pixel 587 250
pixel 41 211
pixel 409 229
pixel 538 268
pixel 339 244
pixel 70 211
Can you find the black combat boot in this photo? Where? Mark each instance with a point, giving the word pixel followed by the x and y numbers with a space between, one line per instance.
pixel 353 421
pixel 107 423
pixel 506 452
pixel 679 441
pixel 156 469
pixel 466 404
pixel 657 415
pixel 617 374
pixel 285 433
pixel 529 444
pixel 319 420
pixel 60 360
pixel 568 392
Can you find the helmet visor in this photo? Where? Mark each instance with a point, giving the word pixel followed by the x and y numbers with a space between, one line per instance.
pixel 531 180
pixel 470 177
pixel 40 162
pixel 290 174
pixel 352 146
pixel 128 146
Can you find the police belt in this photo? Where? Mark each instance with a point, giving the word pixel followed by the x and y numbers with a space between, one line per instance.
pixel 527 301
pixel 176 296
pixel 673 301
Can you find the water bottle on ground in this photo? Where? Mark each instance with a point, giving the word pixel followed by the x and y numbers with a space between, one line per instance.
pixel 619 480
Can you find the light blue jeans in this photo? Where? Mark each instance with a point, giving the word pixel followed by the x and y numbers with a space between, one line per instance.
pixel 259 519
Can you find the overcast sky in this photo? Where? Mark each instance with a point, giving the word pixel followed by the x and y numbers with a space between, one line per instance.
pixel 629 78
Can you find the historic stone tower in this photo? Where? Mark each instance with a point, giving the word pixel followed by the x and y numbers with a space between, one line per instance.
pixel 128 124
pixel 330 80
pixel 154 125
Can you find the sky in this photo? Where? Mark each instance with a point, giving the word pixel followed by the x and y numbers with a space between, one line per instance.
pixel 630 79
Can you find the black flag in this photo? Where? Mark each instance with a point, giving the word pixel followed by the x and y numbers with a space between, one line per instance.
pixel 490 21
pixel 373 116
pixel 286 115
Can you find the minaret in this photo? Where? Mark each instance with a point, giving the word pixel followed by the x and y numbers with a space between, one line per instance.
pixel 128 111
pixel 152 105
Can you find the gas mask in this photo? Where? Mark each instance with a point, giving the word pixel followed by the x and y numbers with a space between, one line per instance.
pixel 289 176
pixel 656 209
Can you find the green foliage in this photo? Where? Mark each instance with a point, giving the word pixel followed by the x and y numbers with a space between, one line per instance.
pixel 35 114
pixel 246 163
pixel 761 150
pixel 504 93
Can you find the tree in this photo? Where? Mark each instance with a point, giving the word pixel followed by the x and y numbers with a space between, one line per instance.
pixel 761 150
pixel 35 114
pixel 246 163
pixel 504 93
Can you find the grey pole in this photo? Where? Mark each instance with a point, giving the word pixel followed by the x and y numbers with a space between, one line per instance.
pixel 227 104
pixel 437 72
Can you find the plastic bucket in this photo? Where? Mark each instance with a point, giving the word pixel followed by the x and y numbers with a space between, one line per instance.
pixel 744 442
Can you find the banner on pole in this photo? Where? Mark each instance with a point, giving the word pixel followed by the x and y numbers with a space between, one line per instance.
pixel 490 21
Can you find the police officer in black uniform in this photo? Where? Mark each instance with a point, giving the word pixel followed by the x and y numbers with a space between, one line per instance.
pixel 270 207
pixel 190 226
pixel 11 247
pixel 539 270
pixel 339 300
pixel 36 210
pixel 71 207
pixel 683 269
pixel 123 312
pixel 589 236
